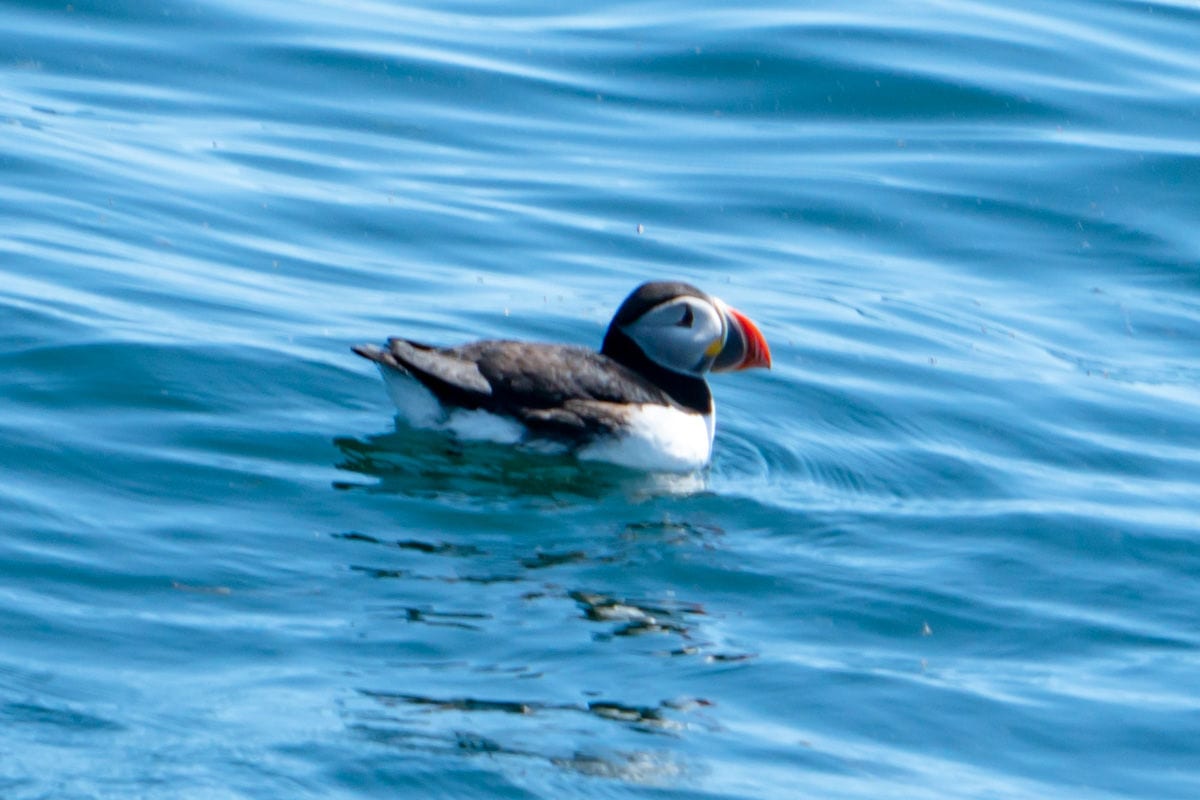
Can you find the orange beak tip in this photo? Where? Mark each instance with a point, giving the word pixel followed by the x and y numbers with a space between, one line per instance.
pixel 758 353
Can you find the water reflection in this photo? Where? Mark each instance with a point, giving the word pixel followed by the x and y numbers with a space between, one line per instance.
pixel 460 726
pixel 432 463
pixel 646 719
pixel 429 548
pixel 529 702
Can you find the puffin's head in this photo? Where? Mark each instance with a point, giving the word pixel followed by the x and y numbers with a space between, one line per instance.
pixel 679 327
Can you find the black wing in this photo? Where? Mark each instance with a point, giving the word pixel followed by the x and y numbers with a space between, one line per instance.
pixel 454 381
pixel 555 389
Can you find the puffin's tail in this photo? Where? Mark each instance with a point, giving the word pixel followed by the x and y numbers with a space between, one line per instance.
pixel 374 353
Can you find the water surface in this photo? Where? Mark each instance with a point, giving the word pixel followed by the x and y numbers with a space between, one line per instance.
pixel 947 546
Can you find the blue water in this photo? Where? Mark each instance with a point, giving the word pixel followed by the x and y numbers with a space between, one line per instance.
pixel 948 547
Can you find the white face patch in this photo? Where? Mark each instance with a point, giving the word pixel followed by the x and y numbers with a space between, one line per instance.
pixel 684 334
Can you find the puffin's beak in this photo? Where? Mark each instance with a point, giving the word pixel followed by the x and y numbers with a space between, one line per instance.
pixel 745 346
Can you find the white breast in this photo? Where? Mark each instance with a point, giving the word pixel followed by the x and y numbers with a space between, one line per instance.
pixel 658 439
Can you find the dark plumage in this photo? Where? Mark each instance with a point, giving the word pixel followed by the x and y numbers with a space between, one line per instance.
pixel 662 341
pixel 557 390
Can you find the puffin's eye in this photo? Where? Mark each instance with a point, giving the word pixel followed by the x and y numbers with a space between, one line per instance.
pixel 688 318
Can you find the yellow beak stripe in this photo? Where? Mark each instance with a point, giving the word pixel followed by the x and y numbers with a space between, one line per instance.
pixel 713 349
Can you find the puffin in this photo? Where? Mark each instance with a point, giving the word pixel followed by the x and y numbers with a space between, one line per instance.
pixel 641 401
